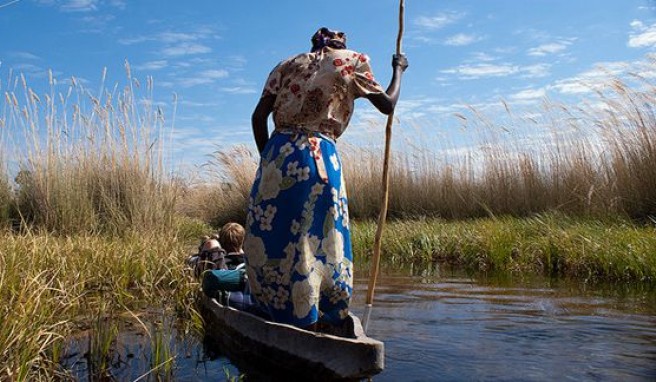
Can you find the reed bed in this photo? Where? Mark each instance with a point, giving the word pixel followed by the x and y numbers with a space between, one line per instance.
pixel 88 162
pixel 5 198
pixel 52 286
pixel 593 159
pixel 96 164
pixel 99 234
pixel 220 191
pixel 596 159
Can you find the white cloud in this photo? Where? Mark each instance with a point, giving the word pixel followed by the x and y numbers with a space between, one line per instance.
pixel 642 36
pixel 206 77
pixel 239 90
pixel 152 65
pixel 461 39
pixel 203 104
pixel 528 94
pixel 197 118
pixel 545 49
pixel 185 49
pixel 483 57
pixel 25 56
pixel 189 82
pixel 533 34
pixel 134 40
pixel 82 5
pixel 603 70
pixel 30 69
pixel 414 107
pixel 79 5
pixel 438 21
pixel 168 38
pixel 236 61
pixel 423 40
pixel 574 85
pixel 595 79
pixel 166 84
pixel 176 44
pixel 96 15
pixel 482 70
pixel 486 69
pixel 177 37
pixel 120 4
pixel 535 71
pixel 97 22
pixel 214 73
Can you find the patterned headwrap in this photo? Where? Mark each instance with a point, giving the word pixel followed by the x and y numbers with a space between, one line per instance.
pixel 326 37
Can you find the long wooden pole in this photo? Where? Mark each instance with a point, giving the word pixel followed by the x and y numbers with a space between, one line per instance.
pixel 375 264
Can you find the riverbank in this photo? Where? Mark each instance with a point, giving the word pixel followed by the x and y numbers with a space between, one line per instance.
pixel 52 286
pixel 549 244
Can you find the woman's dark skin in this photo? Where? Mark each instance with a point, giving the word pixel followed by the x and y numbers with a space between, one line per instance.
pixel 384 102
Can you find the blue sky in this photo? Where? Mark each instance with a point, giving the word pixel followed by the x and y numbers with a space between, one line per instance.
pixel 215 55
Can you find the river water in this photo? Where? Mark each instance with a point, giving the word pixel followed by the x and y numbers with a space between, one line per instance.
pixel 449 327
pixel 440 325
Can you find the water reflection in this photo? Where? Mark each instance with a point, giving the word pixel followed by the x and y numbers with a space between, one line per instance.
pixel 440 325
pixel 157 347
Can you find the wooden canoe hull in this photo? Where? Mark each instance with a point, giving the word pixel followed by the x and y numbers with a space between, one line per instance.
pixel 270 348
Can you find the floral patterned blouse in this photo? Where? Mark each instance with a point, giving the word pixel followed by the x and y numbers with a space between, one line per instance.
pixel 316 91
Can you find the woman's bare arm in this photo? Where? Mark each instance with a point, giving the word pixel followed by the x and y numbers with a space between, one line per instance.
pixel 259 121
pixel 385 102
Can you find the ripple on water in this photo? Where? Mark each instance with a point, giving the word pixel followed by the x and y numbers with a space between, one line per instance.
pixel 458 329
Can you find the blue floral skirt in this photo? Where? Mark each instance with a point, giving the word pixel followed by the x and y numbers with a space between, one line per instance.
pixel 298 244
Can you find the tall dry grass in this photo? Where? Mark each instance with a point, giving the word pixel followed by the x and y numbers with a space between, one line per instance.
pixel 89 162
pixel 95 163
pixel 100 232
pixel 6 199
pixel 220 193
pixel 596 159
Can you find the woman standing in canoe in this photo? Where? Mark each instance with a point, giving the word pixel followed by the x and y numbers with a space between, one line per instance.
pixel 298 245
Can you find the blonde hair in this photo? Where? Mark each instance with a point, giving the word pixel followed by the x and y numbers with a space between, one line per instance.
pixel 231 237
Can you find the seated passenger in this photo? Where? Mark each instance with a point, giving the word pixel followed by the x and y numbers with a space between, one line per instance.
pixel 231 239
pixel 211 256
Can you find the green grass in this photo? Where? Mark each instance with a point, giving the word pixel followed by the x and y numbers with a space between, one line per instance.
pixel 49 285
pixel 549 244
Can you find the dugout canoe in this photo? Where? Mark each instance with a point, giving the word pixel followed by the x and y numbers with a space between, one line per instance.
pixel 265 348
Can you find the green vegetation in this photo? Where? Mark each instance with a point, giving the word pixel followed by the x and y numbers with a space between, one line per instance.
pixel 550 244
pixel 105 228
pixel 50 284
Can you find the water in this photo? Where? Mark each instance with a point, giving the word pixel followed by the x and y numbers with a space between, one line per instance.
pixel 131 355
pixel 451 326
